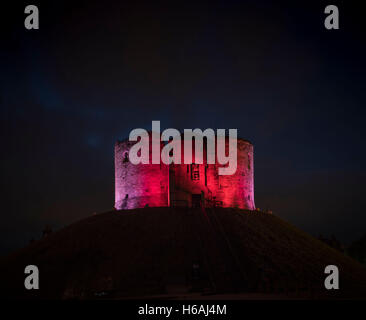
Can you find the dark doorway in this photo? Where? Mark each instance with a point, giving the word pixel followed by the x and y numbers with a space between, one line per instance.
pixel 196 200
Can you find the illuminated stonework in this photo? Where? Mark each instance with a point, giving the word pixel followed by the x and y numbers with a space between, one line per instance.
pixel 160 185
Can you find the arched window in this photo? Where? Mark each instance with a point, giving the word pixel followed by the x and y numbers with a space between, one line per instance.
pixel 125 157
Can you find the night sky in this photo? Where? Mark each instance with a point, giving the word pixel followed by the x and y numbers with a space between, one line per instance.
pixel 95 70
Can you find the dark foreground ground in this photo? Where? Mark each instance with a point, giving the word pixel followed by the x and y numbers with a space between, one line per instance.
pixel 180 253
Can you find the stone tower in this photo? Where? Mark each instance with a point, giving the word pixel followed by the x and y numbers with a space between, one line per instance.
pixel 190 185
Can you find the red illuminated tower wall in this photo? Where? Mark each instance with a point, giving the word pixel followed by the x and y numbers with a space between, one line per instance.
pixel 137 186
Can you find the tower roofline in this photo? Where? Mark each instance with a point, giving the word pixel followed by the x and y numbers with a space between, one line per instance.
pixel 182 135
